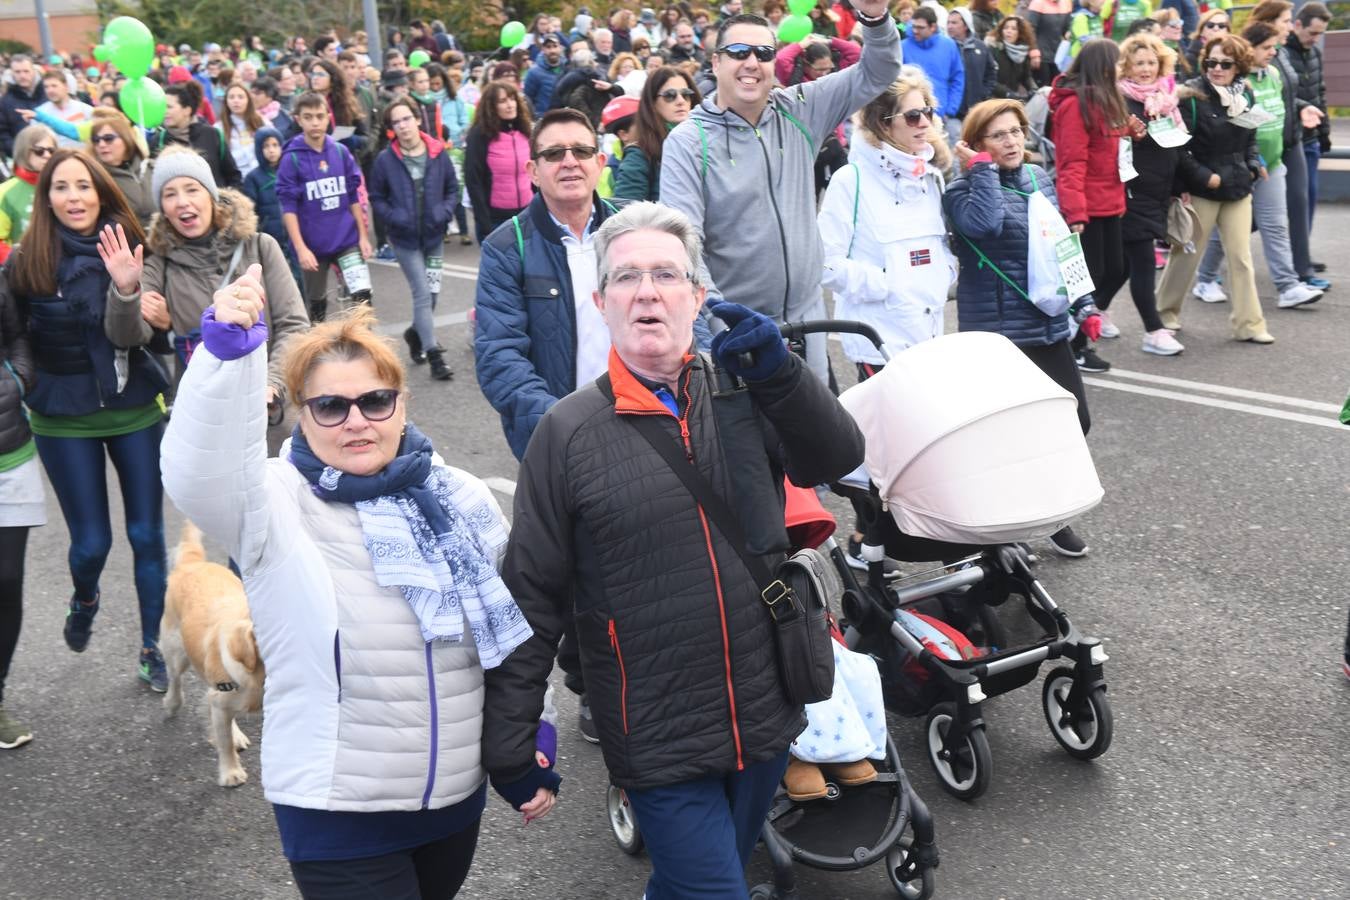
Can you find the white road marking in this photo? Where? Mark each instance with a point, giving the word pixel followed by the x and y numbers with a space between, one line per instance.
pixel 1219 404
pixel 442 321
pixel 1225 391
pixel 501 485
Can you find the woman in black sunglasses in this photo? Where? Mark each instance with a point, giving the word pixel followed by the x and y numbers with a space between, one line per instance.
pixel 1220 165
pixel 667 99
pixel 371 573
pixel 33 147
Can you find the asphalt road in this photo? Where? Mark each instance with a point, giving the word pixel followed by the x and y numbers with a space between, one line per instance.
pixel 1217 579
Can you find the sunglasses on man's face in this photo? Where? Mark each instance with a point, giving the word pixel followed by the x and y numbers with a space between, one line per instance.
pixel 1225 64
pixel 913 116
pixel 763 52
pixel 670 96
pixel 331 410
pixel 557 154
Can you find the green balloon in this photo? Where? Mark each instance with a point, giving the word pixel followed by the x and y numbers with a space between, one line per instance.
pixel 419 58
pixel 130 45
pixel 801 7
pixel 793 29
pixel 513 33
pixel 101 53
pixel 142 99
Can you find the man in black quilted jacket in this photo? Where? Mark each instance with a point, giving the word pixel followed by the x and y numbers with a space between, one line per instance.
pixel 680 663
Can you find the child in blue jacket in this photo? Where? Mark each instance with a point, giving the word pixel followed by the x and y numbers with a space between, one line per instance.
pixel 261 188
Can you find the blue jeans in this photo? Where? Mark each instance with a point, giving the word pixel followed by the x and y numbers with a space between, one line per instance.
pixel 78 473
pixel 422 268
pixel 700 834
pixel 1312 152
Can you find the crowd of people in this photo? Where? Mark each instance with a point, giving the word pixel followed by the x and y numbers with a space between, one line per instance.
pixel 166 303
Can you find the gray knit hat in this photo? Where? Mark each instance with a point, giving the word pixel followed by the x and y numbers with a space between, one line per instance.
pixel 175 162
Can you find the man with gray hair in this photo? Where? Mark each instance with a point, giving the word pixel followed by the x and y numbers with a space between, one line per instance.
pixel 675 641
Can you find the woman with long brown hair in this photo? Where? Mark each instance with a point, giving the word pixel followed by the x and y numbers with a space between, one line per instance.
pixel 1014 45
pixel 668 97
pixel 495 152
pixel 93 400
pixel 344 110
pixel 239 122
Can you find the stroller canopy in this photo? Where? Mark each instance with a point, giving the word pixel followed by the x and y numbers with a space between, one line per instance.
pixel 968 441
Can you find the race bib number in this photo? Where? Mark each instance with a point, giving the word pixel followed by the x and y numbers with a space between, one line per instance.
pixel 1167 133
pixel 434 275
pixel 1073 266
pixel 1125 160
pixel 355 272
pixel 1252 118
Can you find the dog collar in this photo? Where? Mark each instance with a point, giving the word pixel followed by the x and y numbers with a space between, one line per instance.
pixel 226 686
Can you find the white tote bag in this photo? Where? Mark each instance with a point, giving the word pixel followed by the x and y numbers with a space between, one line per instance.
pixel 1057 271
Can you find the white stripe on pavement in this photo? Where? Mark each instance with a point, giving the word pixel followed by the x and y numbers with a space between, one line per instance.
pixel 1226 391
pixel 441 321
pixel 501 485
pixel 1218 404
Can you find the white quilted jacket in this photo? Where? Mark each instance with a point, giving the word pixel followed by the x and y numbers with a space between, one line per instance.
pixel 359 713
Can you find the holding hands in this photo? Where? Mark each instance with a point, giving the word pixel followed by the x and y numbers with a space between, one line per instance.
pixel 123 263
pixel 241 303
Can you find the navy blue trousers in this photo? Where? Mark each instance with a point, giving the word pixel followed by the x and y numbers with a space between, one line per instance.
pixel 77 470
pixel 700 834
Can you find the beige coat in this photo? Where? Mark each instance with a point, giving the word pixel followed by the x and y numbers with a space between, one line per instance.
pixel 188 275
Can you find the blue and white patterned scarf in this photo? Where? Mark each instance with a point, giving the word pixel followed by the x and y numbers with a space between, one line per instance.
pixel 433 539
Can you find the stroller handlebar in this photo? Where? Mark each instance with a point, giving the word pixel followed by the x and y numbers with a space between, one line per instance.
pixel 797 330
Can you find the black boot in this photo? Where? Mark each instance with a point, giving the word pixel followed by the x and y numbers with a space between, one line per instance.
pixel 414 345
pixel 439 370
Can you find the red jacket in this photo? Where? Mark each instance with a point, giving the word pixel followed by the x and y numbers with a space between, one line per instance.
pixel 1086 162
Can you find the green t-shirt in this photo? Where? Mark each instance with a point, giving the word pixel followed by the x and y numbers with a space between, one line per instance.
pixel 104 423
pixel 1268 91
pixel 16 206
pixel 1127 13
pixel 17 457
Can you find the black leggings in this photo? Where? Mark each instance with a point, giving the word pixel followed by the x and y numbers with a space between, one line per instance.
pixel 13 543
pixel 1105 261
pixel 432 871
pixel 1056 360
pixel 1140 271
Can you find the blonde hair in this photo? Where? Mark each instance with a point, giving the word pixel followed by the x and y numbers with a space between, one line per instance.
pixel 1167 57
pixel 348 337
pixel 872 117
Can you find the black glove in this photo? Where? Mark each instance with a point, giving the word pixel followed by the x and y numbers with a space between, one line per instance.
pixel 750 334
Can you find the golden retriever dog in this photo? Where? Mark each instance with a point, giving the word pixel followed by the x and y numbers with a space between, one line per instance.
pixel 206 625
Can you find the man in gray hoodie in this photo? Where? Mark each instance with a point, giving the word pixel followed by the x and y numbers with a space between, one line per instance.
pixel 741 166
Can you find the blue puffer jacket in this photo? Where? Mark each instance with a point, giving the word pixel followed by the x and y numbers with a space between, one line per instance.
pixel 525 332
pixel 261 187
pixel 395 201
pixel 984 208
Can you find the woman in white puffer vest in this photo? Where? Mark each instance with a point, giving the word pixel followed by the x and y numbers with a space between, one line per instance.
pixel 886 255
pixel 371 579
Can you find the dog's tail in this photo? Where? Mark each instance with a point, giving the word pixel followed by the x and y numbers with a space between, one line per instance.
pixel 190 547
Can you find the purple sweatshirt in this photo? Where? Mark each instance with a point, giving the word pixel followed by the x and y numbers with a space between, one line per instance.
pixel 320 188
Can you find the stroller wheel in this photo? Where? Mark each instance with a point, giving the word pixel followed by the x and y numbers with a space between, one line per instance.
pixel 963 767
pixel 623 821
pixel 1084 732
pixel 902 868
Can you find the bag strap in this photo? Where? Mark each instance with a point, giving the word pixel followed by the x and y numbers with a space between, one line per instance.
pixel 857 192
pixel 234 264
pixel 986 261
pixel 777 595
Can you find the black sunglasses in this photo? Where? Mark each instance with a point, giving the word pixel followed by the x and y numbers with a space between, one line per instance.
pixel 556 154
pixel 763 52
pixel 106 138
pixel 43 151
pixel 670 95
pixel 1209 25
pixel 1224 64
pixel 331 410
pixel 912 116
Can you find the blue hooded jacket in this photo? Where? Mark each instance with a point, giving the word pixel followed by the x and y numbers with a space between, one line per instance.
pixel 261 188
pixel 940 58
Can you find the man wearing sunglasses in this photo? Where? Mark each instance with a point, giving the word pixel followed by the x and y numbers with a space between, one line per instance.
pixel 742 166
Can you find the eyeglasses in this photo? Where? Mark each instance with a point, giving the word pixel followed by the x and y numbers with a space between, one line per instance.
pixel 671 95
pixel 330 410
pixel 43 151
pixel 107 138
pixel 999 137
pixel 912 116
pixel 1225 64
pixel 556 154
pixel 318 73
pixel 627 281
pixel 763 52
pixel 1216 25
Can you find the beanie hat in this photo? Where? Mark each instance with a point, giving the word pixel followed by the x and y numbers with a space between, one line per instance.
pixel 175 163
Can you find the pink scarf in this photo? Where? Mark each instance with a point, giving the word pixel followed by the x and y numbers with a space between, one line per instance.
pixel 1159 98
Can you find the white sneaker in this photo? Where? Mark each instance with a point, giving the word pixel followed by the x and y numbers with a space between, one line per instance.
pixel 1209 291
pixel 1299 295
pixel 1162 343
pixel 1109 329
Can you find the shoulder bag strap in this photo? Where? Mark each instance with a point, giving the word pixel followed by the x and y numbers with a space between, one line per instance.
pixel 716 508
